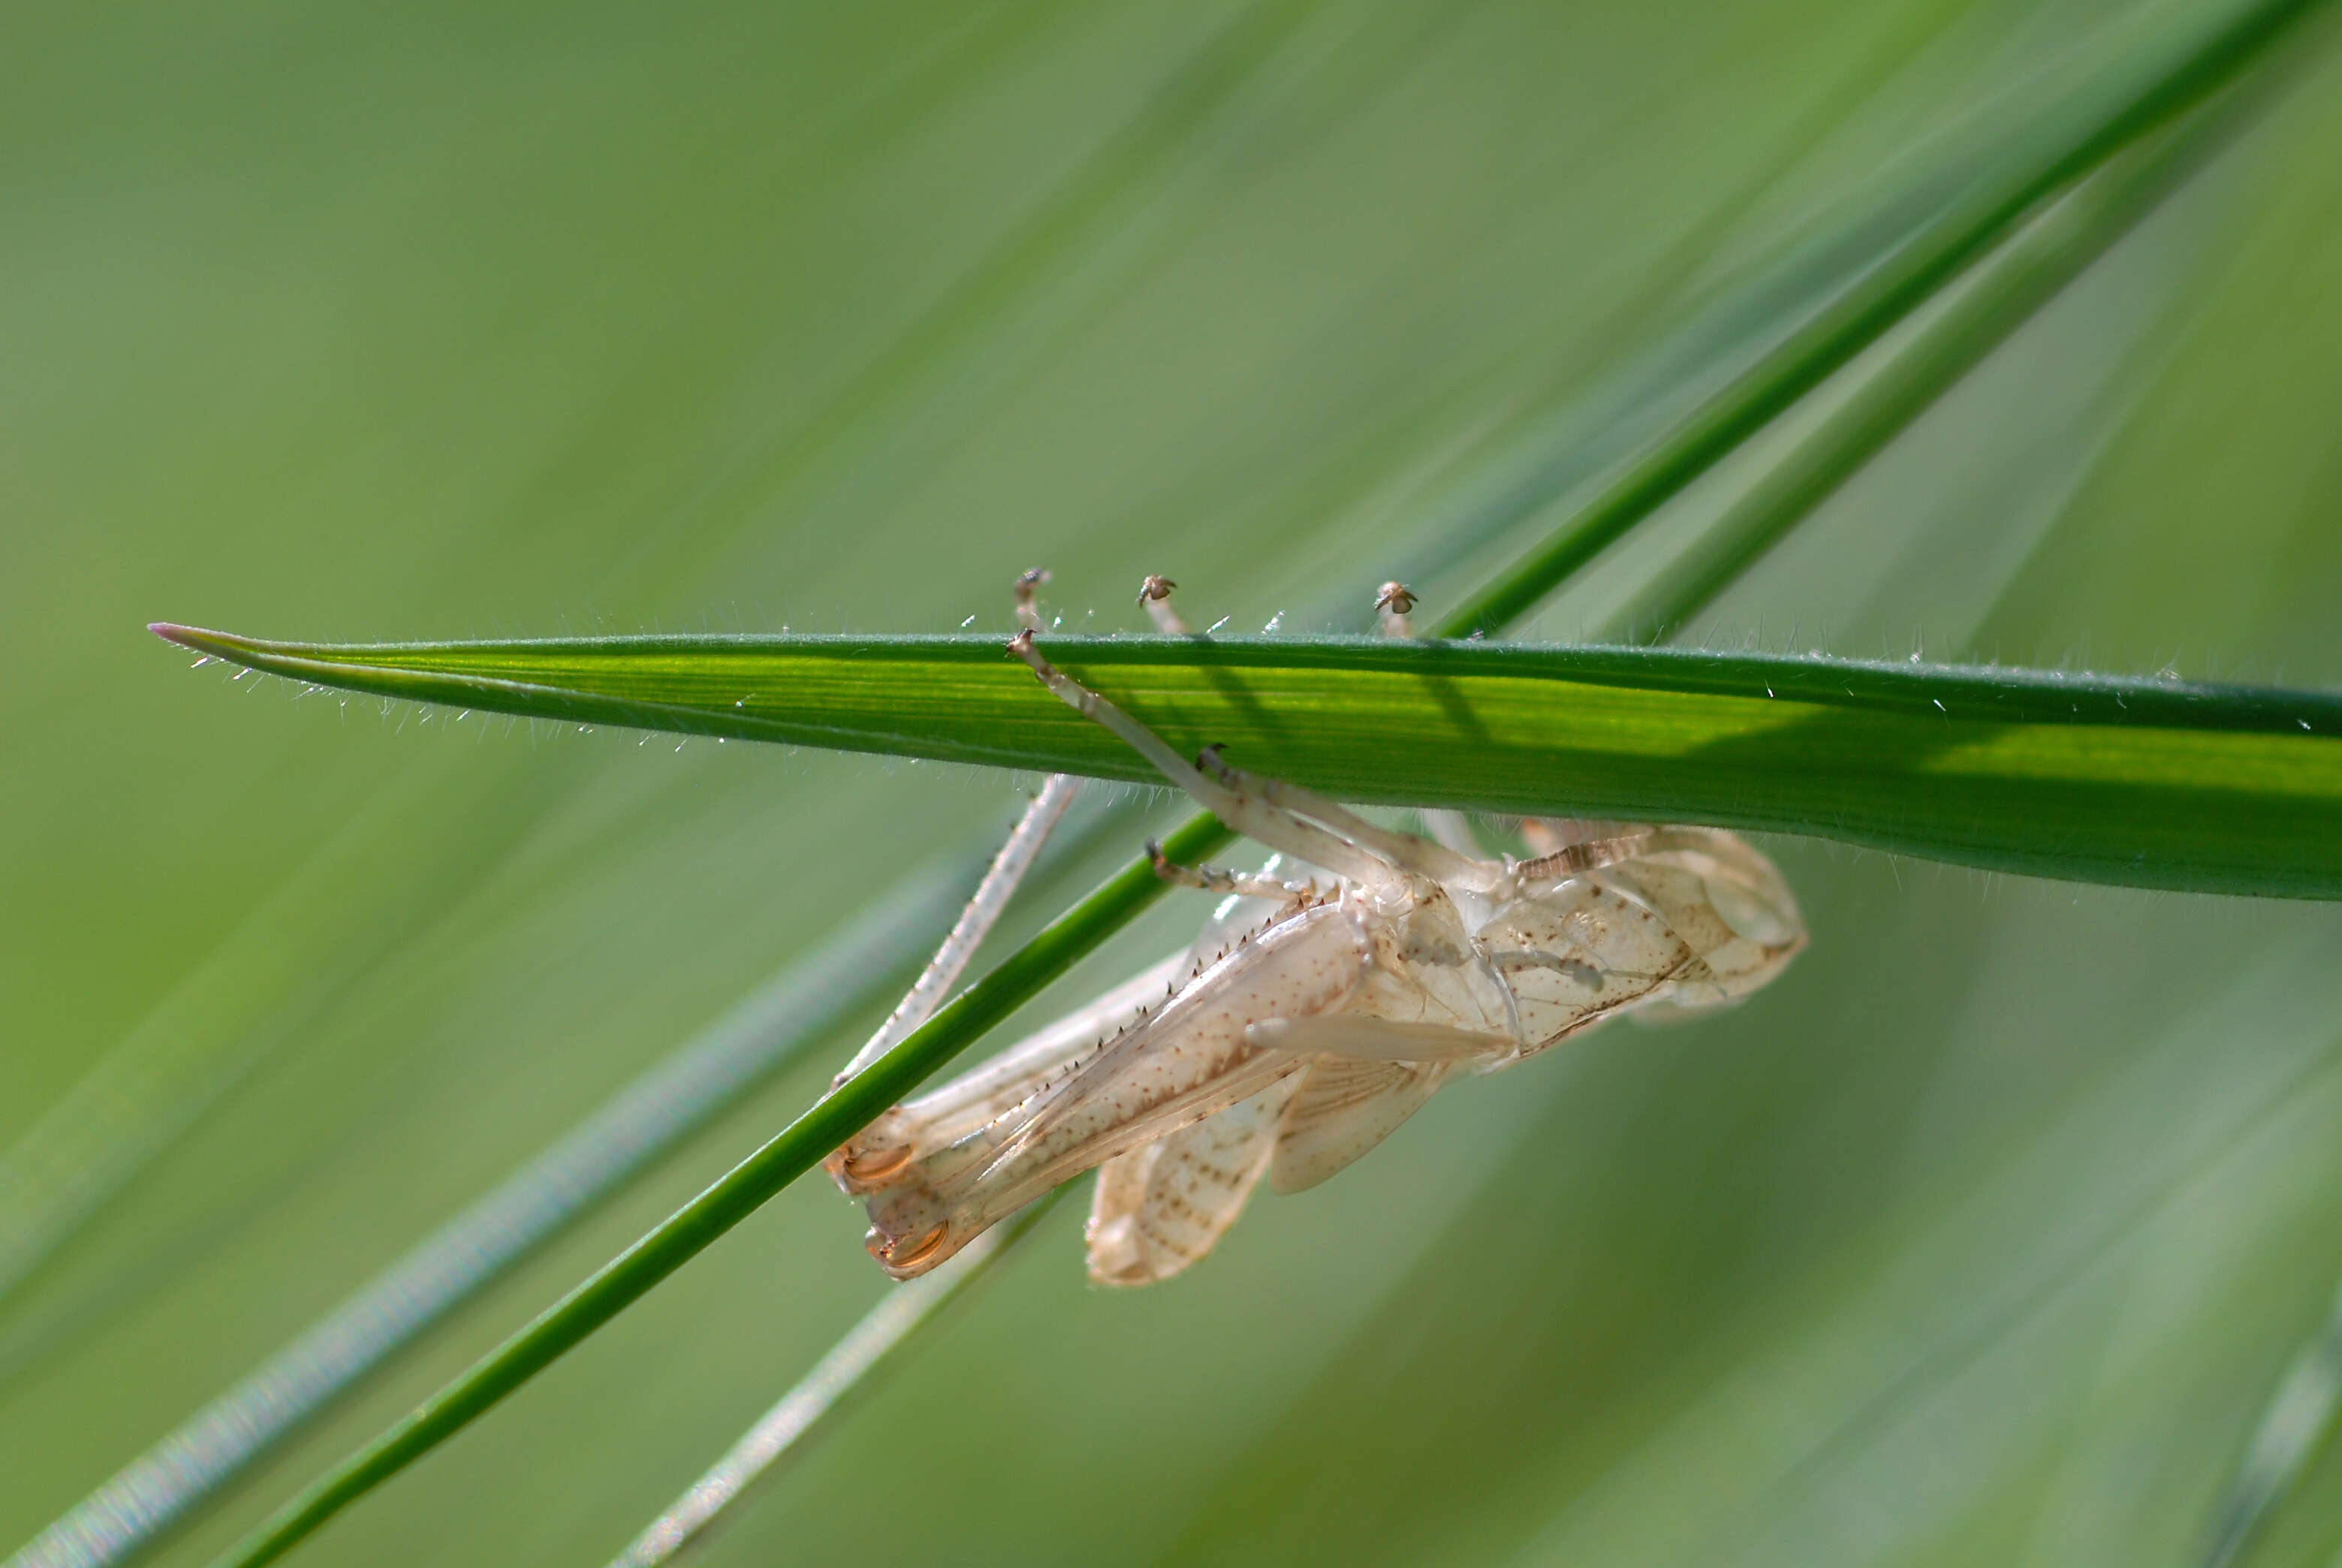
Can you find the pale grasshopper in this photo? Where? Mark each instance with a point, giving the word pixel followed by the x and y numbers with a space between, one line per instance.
pixel 1314 1015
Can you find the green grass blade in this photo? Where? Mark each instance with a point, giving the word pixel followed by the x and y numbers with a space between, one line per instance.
pixel 803 1004
pixel 2116 114
pixel 795 1149
pixel 2140 782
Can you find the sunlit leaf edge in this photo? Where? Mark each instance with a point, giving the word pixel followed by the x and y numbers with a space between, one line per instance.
pixel 2136 782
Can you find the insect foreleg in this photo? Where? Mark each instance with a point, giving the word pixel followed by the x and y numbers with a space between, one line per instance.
pixel 1393 601
pixel 1446 859
pixel 1254 819
pixel 1000 882
pixel 1154 594
pixel 1404 850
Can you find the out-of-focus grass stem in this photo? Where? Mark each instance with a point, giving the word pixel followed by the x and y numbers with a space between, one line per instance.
pixel 847 1371
pixel 2293 1426
pixel 1968 229
pixel 795 1149
pixel 1982 310
pixel 798 1007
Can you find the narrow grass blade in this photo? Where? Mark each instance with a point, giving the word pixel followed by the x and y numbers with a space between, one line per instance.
pixel 851 1369
pixel 801 1006
pixel 2297 1421
pixel 903 1311
pixel 2102 122
pixel 2140 782
pixel 795 1149
pixel 1001 880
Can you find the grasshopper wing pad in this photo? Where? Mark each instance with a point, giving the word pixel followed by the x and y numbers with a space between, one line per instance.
pixel 1188 1062
pixel 1194 1057
pixel 1345 1107
pixel 1158 1209
pixel 869 1159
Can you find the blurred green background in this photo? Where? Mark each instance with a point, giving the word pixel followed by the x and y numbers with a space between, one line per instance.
pixel 1982 1237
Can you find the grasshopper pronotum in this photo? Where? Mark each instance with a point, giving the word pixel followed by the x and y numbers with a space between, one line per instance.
pixel 1314 1015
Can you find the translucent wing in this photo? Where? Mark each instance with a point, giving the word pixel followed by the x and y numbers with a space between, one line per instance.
pixel 920 1127
pixel 874 1156
pixel 1581 950
pixel 1343 1106
pixel 1726 900
pixel 1158 1209
pixel 1188 1061
pixel 1195 1057
pixel 1693 917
